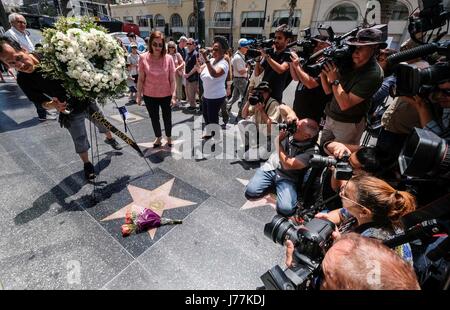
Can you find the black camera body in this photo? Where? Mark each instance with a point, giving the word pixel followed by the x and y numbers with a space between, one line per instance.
pixel 253 51
pixel 341 56
pixel 256 97
pixel 343 170
pixel 431 16
pixel 290 127
pixel 311 242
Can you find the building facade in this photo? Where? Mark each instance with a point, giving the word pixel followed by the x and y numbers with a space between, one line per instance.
pixel 230 18
pixel 259 18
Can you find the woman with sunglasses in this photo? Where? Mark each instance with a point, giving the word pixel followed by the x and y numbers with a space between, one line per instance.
pixel 157 85
pixel 179 69
pixel 213 74
pixel 372 208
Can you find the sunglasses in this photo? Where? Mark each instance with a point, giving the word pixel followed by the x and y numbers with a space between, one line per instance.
pixel 160 45
pixel 171 47
pixel 445 91
pixel 188 43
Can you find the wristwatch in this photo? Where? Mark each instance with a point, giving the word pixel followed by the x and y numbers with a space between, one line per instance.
pixel 335 82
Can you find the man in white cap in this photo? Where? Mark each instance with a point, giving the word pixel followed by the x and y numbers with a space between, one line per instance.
pixel 239 75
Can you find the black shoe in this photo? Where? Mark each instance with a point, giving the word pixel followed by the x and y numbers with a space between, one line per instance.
pixel 113 143
pixel 89 172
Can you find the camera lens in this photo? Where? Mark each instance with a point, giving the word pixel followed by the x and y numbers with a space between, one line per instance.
pixel 280 229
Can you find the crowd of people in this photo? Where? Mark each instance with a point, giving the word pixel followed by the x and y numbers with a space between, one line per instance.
pixel 329 115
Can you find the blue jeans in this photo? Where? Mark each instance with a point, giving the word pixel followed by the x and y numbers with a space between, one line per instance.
pixel 262 181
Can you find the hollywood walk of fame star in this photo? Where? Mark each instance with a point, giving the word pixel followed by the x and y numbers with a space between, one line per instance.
pixel 150 150
pixel 158 200
pixel 262 202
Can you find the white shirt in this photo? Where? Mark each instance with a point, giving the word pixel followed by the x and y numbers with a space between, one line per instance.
pixel 22 38
pixel 214 88
pixel 238 64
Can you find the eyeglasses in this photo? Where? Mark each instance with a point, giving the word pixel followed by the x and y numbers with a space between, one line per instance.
pixel 342 195
pixel 188 43
pixel 216 49
pixel 21 22
pixel 160 45
pixel 171 47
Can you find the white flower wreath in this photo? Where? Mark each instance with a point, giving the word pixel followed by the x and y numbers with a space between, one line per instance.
pixel 88 61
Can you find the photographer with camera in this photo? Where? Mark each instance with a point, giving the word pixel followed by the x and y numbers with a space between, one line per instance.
pixel 259 113
pixel 287 166
pixel 434 111
pixel 275 64
pixel 352 90
pixel 372 208
pixel 310 98
pixel 351 263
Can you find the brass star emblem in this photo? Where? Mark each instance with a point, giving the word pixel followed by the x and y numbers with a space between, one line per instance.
pixel 262 202
pixel 157 200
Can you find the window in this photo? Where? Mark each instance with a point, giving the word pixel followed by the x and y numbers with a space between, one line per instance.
pixel 159 21
pixel 343 12
pixel 128 19
pixel 282 17
pixel 176 21
pixel 191 20
pixel 251 36
pixel 174 2
pixel 400 12
pixel 142 21
pixel 252 19
pixel 222 17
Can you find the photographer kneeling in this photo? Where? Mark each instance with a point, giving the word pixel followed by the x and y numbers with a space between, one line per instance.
pixel 286 167
pixel 259 113
pixel 372 208
pixel 352 90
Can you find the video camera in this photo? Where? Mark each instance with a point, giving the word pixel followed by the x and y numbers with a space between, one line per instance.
pixel 432 16
pixel 311 242
pixel 343 170
pixel 255 45
pixel 339 53
pixel 424 154
pixel 411 80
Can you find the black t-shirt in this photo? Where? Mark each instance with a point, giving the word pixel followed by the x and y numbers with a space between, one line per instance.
pixel 277 82
pixel 191 61
pixel 36 87
pixel 310 103
pixel 182 51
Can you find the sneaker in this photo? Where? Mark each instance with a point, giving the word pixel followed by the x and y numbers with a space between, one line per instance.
pixel 48 117
pixel 113 143
pixel 89 172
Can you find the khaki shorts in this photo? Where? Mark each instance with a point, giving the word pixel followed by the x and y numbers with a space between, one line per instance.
pixel 347 133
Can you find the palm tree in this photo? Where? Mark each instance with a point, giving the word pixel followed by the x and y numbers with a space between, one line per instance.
pixel 292 5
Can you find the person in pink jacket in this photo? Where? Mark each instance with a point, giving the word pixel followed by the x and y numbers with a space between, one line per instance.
pixel 157 85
